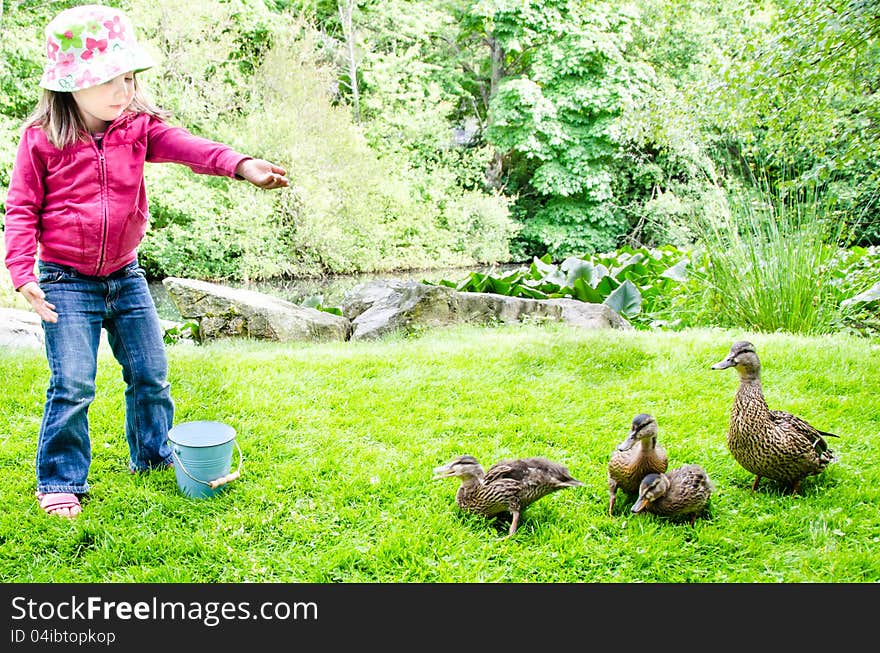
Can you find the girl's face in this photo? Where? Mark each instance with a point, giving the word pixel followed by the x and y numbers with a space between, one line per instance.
pixel 102 104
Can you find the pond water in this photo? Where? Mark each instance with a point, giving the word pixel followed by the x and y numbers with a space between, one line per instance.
pixel 332 288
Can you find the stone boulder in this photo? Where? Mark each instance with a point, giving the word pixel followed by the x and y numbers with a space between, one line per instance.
pixel 377 308
pixel 370 310
pixel 489 307
pixel 363 296
pixel 221 311
pixel 20 328
pixel 399 306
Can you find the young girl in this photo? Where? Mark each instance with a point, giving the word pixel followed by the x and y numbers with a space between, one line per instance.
pixel 77 208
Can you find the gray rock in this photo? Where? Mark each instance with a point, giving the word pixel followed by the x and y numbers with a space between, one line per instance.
pixel 371 310
pixel 364 296
pixel 406 305
pixel 412 305
pixel 20 328
pixel 227 312
pixel 588 315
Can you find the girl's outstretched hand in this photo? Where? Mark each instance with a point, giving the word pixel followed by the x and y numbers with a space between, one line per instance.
pixel 262 173
pixel 32 292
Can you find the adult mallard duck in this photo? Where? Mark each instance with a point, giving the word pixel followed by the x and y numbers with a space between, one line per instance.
pixel 769 443
pixel 637 455
pixel 681 492
pixel 507 486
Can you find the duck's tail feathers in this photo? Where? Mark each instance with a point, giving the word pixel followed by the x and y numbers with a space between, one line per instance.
pixel 826 456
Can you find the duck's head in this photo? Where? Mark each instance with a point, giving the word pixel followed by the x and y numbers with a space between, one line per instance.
pixel 463 467
pixel 643 426
pixel 652 487
pixel 742 356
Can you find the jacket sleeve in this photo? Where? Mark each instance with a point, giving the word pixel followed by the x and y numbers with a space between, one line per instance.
pixel 167 144
pixel 23 203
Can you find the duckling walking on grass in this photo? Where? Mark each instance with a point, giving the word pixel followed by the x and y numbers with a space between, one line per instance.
pixel 769 443
pixel 636 456
pixel 507 486
pixel 681 492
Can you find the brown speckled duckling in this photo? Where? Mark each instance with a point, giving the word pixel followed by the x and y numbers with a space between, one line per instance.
pixel 637 455
pixel 769 443
pixel 681 492
pixel 507 486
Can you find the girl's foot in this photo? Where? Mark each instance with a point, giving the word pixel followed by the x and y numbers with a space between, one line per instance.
pixel 62 504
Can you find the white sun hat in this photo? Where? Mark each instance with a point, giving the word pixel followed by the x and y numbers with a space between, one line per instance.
pixel 89 45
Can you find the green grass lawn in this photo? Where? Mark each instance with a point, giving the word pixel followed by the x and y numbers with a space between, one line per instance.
pixel 340 440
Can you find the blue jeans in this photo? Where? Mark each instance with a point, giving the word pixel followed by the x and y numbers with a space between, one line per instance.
pixel 122 304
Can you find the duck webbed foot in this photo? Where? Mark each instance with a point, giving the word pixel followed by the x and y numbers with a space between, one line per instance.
pixel 514 523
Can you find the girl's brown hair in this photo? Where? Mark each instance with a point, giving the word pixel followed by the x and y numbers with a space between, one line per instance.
pixel 57 114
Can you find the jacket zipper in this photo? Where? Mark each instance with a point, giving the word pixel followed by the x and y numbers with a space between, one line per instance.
pixel 104 209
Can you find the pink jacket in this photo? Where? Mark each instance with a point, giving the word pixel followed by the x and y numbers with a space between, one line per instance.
pixel 87 206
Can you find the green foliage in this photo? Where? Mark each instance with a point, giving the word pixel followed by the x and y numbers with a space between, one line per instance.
pixel 209 228
pixel 799 92
pixel 351 210
pixel 631 281
pixel 9 134
pixel 770 261
pixel 185 331
pixel 857 283
pixel 22 52
pixel 204 57
pixel 317 302
pixel 663 176
pixel 561 120
pixel 9 298
pixel 566 226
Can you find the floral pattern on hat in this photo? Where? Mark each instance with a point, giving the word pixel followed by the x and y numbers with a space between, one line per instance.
pixel 89 45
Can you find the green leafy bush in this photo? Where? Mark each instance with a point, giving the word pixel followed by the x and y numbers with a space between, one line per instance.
pixel 631 281
pixel 859 284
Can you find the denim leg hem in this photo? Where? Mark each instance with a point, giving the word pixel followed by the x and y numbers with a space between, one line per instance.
pixel 57 489
pixel 134 469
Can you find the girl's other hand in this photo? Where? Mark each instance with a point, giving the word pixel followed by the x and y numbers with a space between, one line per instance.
pixel 37 298
pixel 262 173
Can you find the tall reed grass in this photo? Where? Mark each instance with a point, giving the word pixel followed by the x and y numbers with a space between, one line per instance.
pixel 769 255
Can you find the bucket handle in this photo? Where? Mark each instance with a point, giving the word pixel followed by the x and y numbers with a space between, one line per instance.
pixel 217 482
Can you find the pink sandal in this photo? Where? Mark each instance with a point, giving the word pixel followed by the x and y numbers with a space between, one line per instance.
pixel 54 503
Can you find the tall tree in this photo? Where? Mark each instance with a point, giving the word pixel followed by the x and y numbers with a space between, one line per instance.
pixel 557 86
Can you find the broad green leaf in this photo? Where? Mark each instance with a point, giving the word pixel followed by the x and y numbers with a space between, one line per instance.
pixel 575 269
pixel 607 285
pixel 625 299
pixel 870 295
pixel 634 271
pixel 529 292
pixel 497 286
pixel 626 261
pixel 585 292
pixel 677 272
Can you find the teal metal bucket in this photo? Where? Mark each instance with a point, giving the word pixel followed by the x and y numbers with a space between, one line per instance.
pixel 202 453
